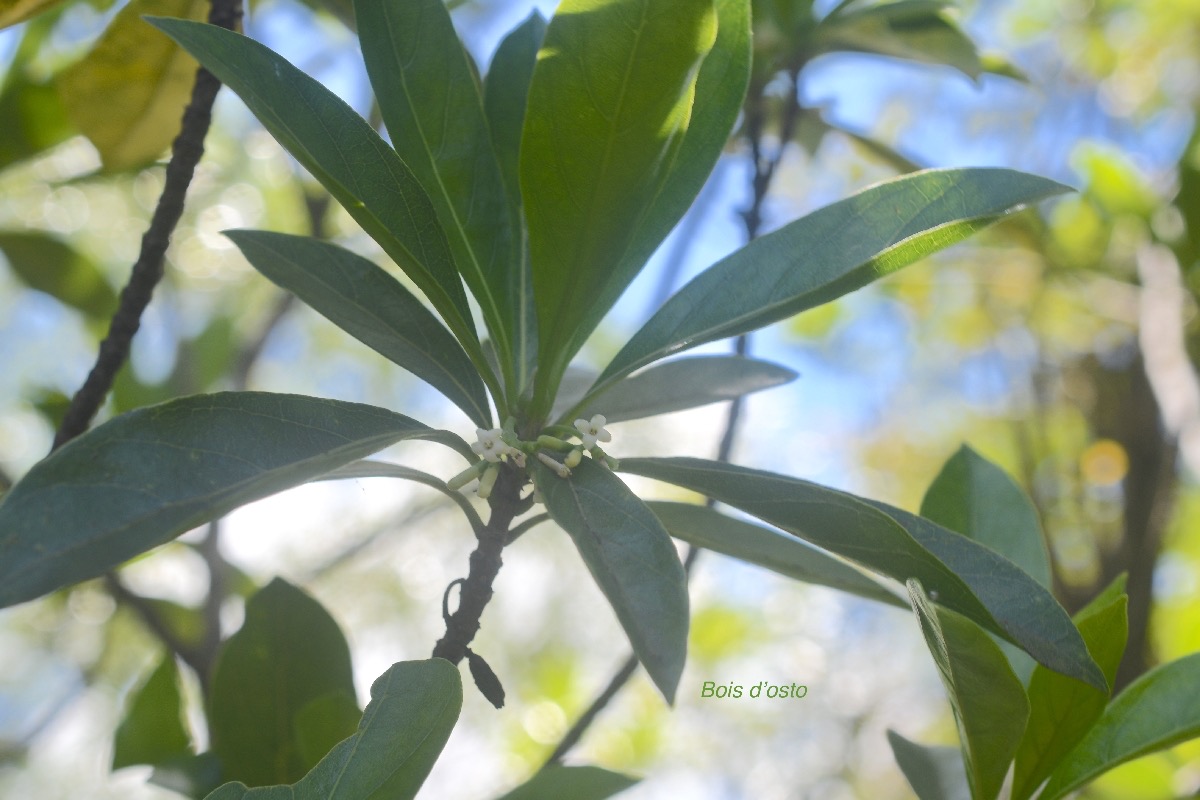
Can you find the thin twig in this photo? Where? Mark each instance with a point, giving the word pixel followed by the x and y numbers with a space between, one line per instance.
pixel 186 151
pixel 149 615
pixel 218 589
pixel 249 355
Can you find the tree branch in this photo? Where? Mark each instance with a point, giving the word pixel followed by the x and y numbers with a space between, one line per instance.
pixel 149 615
pixel 147 270
pixel 476 589
pixel 186 151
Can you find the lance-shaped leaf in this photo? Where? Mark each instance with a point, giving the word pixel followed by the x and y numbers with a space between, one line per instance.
pixel 880 151
pixel 1029 615
pixel 633 560
pixel 52 266
pixel 429 99
pixel 505 95
pixel 413 708
pixel 974 497
pixel 712 530
pixel 1158 710
pixel 554 782
pixel 323 722
pixel 1063 709
pixel 683 383
pixel 829 253
pixel 967 577
pixel 141 479
pixel 610 98
pixel 934 773
pixel 916 30
pixel 988 700
pixel 128 93
pixel 288 653
pixel 153 730
pixel 362 299
pixel 720 90
pixel 345 154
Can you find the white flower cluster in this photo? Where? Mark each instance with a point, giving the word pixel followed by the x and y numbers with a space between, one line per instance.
pixel 501 444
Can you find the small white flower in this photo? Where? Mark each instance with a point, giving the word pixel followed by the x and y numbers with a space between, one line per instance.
pixel 489 445
pixel 592 431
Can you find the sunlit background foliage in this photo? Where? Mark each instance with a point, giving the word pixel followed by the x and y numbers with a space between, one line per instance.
pixel 1060 346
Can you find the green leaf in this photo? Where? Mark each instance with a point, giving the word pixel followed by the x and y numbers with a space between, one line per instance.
pixel 712 530
pixel 827 254
pixel 505 96
pixel 413 708
pixel 631 556
pixel 1187 201
pixel 128 93
pixel 14 11
pixel 609 102
pixel 430 102
pixel 153 730
pixel 967 577
pixel 974 497
pixel 988 700
pixel 916 30
pixel 50 265
pixel 141 479
pixel 1158 710
pixel 239 791
pixel 35 119
pixel 193 776
pixel 362 299
pixel 345 154
pixel 683 383
pixel 1063 709
pixel 934 773
pixel 323 722
pixel 882 152
pixel 1028 613
pixel 288 653
pixel 720 90
pixel 554 782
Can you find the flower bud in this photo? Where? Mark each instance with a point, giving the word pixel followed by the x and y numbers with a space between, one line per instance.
pixel 466 476
pixel 552 443
pixel 488 481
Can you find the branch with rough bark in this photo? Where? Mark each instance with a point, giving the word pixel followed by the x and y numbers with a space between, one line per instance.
pixel 186 151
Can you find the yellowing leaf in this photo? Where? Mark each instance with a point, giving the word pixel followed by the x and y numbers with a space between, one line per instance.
pixel 128 94
pixel 14 11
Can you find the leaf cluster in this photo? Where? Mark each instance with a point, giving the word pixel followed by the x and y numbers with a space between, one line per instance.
pixel 534 196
